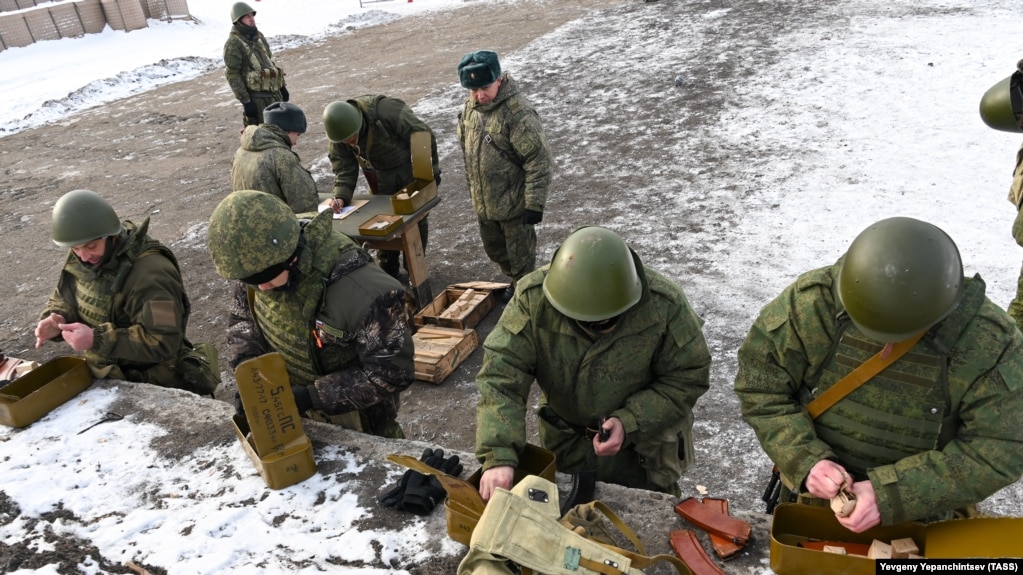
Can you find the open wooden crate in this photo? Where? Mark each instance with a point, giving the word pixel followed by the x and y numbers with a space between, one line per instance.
pixel 460 306
pixel 439 350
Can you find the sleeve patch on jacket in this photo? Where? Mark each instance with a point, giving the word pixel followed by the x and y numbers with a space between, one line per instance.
pixel 163 313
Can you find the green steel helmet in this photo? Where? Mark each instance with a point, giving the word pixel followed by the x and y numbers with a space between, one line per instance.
pixel 593 276
pixel 81 216
pixel 240 9
pixel 285 116
pixel 899 277
pixel 1002 105
pixel 341 121
pixel 249 232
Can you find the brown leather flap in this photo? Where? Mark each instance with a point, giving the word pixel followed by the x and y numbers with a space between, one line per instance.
pixel 687 546
pixel 735 530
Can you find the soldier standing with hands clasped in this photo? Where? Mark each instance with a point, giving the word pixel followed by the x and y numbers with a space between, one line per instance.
pixel 251 72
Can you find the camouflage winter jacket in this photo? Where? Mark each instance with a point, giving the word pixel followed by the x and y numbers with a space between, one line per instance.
pixel 266 162
pixel 136 304
pixel 383 147
pixel 507 162
pixel 935 431
pixel 648 372
pixel 249 65
pixel 344 318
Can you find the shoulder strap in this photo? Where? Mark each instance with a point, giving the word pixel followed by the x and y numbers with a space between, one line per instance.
pixel 859 376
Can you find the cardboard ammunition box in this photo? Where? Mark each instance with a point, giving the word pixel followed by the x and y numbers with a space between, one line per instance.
pixel 271 430
pixel 463 505
pixel 279 469
pixel 380 225
pixel 40 391
pixel 796 528
pixel 460 306
pixel 439 350
pixel 422 188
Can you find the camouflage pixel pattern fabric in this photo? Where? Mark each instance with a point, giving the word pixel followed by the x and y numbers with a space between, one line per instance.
pixel 357 334
pixel 648 372
pixel 787 350
pixel 246 52
pixel 266 162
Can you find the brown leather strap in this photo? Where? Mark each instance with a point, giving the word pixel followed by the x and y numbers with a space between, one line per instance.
pixel 859 376
pixel 735 530
pixel 724 548
pixel 685 544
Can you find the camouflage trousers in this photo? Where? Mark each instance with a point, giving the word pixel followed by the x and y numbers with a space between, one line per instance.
pixel 1016 305
pixel 389 259
pixel 511 245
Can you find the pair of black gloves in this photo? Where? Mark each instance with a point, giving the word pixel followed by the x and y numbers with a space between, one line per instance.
pixel 417 493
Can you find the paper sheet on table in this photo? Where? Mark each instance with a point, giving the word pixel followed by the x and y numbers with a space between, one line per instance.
pixel 355 205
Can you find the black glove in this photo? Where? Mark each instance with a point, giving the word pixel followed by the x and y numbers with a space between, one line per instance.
pixel 393 496
pixel 532 217
pixel 302 400
pixel 422 494
pixel 284 93
pixel 249 109
pixel 436 177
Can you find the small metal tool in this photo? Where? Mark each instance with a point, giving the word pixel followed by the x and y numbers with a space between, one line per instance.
pixel 110 416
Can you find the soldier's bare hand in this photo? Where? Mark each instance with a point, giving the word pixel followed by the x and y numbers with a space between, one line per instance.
pixel 48 328
pixel 866 514
pixel 336 204
pixel 826 478
pixel 613 444
pixel 78 335
pixel 500 476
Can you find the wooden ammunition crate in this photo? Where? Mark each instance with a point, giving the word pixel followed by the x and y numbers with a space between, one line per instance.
pixel 460 306
pixel 439 350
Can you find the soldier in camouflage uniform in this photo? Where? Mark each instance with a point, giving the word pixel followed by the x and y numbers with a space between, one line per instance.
pixel 603 336
pixel 374 133
pixel 120 299
pixel 251 72
pixel 507 163
pixel 309 293
pixel 1016 197
pixel 266 162
pixel 935 431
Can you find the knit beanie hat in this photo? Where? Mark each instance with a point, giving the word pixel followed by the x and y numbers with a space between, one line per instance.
pixel 479 69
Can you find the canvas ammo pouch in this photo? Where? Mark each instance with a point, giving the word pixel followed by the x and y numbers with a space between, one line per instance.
pixel 522 526
pixel 668 454
pixel 265 79
pixel 199 366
